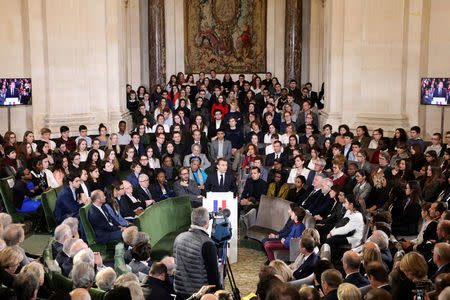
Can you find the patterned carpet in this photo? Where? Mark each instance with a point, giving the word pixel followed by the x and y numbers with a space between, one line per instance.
pixel 246 270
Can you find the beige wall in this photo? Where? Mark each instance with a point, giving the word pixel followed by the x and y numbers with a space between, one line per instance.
pixel 373 58
pixel 174 18
pixel 75 57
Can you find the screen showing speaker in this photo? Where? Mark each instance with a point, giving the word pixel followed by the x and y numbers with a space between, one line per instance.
pixel 435 91
pixel 15 91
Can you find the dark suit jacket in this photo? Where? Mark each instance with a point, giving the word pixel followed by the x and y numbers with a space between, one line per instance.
pixel 137 266
pixel 212 183
pixel 159 289
pixel 127 207
pixel 104 232
pixel 331 295
pixel 61 258
pixel 444 269
pixel 140 194
pixel 138 151
pixel 56 248
pixel 307 267
pixel 357 279
pixel 66 205
pixel 271 157
pixel 212 130
pixel 203 144
pixel 156 151
pixel 337 212
pixel 322 207
pixel 67 266
pixel 14 94
pixel 313 197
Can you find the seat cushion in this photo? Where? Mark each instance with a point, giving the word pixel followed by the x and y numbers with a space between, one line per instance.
pixel 259 233
pixel 282 255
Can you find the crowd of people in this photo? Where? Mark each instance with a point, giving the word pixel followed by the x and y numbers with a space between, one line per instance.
pixel 379 204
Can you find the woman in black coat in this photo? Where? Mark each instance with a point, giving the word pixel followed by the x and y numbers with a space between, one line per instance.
pixel 406 209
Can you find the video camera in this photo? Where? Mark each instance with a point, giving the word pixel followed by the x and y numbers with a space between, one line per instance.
pixel 221 227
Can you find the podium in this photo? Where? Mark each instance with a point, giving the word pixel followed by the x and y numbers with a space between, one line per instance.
pixel 215 201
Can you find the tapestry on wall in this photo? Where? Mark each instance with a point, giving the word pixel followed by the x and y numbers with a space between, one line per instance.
pixel 225 35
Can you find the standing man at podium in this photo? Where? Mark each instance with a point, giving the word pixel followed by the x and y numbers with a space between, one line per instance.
pixel 221 180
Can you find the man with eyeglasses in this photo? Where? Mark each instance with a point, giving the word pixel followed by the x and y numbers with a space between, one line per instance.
pixel 142 192
pixel 447 136
pixel 435 144
pixel 186 186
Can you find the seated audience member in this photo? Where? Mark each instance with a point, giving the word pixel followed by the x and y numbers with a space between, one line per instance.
pixel 254 188
pixel 26 285
pixel 351 263
pixel 196 148
pixel 67 204
pixel 319 167
pixel 112 204
pixel 441 258
pixel 9 163
pixel 10 259
pixel 220 147
pixel 348 230
pixel 335 212
pixel 414 266
pixel 105 279
pixel 258 163
pixel 234 135
pixel 105 227
pixel 23 190
pixel 196 138
pixel 108 174
pixel 132 178
pixel 138 147
pixel 278 188
pixel 348 291
pixel 402 153
pixel 432 186
pixel 221 180
pixel 316 194
pixel 298 169
pixel 83 135
pixel 308 293
pixel 363 162
pixel 64 254
pixel 73 223
pixel 197 174
pixel 323 206
pixel 286 230
pixel 406 209
pixel 426 233
pixel 436 146
pixel 216 124
pixel 129 203
pixel 187 186
pixel 94 181
pixel 176 157
pixel 296 231
pixel 338 176
pixel 331 279
pixel 62 233
pixel 277 167
pixel 96 144
pixel 414 138
pixel 129 236
pixel 282 269
pixel 378 276
pixel 67 266
pixel 306 246
pixel 127 158
pixel 13 236
pixel 66 139
pixel 168 166
pixel 39 176
pixel 277 154
pixel 161 188
pixel 300 190
pixel 123 138
pixel 362 189
pixel 83 275
pixel 250 153
pixel 45 136
pixel 156 282
pixel 141 262
pixel 378 294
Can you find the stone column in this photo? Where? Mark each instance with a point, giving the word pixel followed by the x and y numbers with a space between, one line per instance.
pixel 293 41
pixel 156 43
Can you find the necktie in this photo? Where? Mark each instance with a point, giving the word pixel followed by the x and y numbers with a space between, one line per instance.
pixel 107 216
pixel 277 156
pixel 148 193
pixel 221 180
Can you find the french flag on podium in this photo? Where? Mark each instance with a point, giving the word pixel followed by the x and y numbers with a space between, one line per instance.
pixel 216 205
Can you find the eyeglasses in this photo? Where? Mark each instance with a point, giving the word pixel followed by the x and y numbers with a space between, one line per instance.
pixel 185 173
pixel 143 180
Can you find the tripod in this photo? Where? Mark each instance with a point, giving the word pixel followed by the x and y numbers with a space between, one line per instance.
pixel 226 271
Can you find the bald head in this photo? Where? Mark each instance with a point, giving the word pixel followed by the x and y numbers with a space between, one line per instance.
pixel 371 245
pixel 80 294
pixel 208 297
pixel 351 262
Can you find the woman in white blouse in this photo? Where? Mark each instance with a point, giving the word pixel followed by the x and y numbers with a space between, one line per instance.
pixel 298 169
pixel 348 230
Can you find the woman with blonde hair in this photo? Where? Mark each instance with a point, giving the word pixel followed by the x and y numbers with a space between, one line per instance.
pixel 369 255
pixel 111 156
pixel 82 149
pixel 282 269
pixel 113 143
pixel 10 258
pixel 348 291
pixel 415 267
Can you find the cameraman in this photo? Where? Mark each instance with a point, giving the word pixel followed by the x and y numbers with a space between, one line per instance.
pixel 195 257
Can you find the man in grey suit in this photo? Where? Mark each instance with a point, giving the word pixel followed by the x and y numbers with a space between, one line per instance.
pixel 220 147
pixel 196 151
pixel 185 186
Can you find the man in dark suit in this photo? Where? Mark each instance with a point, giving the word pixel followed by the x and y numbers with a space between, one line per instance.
pixel 306 246
pixel 221 180
pixel 62 233
pixel 277 154
pixel 12 92
pixel 316 195
pixel 67 203
pixel 139 148
pixel 378 275
pixel 156 282
pixel 144 193
pixel 351 262
pixel 185 186
pixel 67 264
pixel 439 91
pixel 159 148
pixel 441 257
pixel 331 279
pixel 197 139
pixel 324 225
pixel 216 124
pixel 105 227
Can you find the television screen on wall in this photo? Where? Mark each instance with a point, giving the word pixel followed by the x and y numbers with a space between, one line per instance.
pixel 435 91
pixel 15 91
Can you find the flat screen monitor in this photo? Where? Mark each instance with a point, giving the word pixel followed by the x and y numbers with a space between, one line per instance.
pixel 435 91
pixel 15 91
